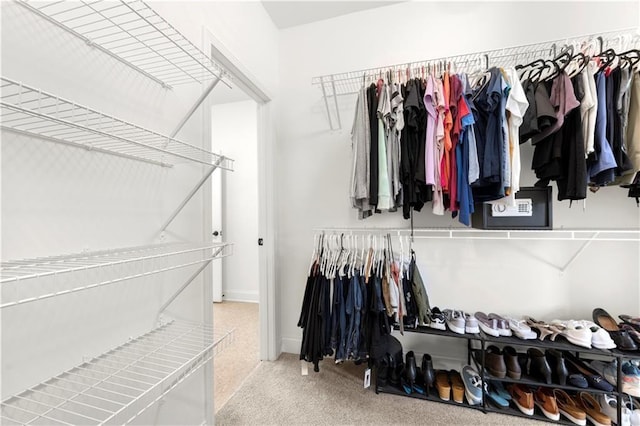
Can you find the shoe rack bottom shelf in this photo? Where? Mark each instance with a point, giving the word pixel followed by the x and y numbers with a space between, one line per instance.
pixel 432 396
pixel 117 386
pixel 510 411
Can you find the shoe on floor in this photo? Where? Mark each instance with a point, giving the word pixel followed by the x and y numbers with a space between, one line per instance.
pixel 609 405
pixel 592 408
pixel 487 325
pixel 520 328
pixel 472 385
pixel 568 408
pixel 455 320
pixel 522 396
pixel 546 401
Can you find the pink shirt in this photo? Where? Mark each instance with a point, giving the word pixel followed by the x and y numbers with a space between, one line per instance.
pixel 432 115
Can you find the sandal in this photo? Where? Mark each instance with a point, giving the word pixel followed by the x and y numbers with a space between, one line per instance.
pixel 635 322
pixel 542 327
pixel 573 331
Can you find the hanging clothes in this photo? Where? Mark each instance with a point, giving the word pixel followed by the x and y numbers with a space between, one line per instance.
pixel 361 147
pixel 602 168
pixel 633 128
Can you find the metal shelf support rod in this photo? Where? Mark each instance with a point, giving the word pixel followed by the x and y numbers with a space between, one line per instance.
pixel 185 285
pixel 195 106
pixel 192 193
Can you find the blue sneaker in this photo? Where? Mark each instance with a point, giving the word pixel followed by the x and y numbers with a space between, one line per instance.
pixel 472 385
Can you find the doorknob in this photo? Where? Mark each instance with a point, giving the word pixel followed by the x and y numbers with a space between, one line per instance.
pixel 216 233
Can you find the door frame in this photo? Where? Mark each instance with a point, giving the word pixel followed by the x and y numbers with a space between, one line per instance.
pixel 245 81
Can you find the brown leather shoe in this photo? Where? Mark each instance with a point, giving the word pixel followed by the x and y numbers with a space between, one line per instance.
pixel 546 401
pixel 494 362
pixel 443 385
pixel 522 397
pixel 592 408
pixel 457 386
pixel 511 361
pixel 569 408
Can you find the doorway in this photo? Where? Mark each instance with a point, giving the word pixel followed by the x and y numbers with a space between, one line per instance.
pixel 240 126
pixel 235 220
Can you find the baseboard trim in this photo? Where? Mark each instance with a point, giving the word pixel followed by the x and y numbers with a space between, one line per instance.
pixel 241 296
pixel 290 346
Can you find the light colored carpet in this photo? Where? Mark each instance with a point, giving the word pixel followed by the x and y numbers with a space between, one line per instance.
pixel 238 359
pixel 277 394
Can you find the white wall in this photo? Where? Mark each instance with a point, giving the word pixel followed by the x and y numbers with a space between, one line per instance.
pixel 57 199
pixel 313 166
pixel 235 134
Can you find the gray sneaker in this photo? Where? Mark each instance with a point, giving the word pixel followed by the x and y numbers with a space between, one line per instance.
pixel 455 320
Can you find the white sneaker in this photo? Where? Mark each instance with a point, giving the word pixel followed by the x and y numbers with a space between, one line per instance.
pixel 609 406
pixel 634 406
pixel 520 328
pixel 600 338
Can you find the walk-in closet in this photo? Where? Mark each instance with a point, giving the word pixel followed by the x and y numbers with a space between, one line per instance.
pixel 311 212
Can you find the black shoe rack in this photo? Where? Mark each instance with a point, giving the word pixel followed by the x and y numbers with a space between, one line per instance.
pixel 476 345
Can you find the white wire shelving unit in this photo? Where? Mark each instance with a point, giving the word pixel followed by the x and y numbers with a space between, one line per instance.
pixel 119 385
pixel 348 83
pixel 28 110
pixel 30 280
pixel 134 34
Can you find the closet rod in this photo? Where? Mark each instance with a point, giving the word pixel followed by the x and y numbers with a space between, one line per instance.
pixel 498 234
pixel 347 83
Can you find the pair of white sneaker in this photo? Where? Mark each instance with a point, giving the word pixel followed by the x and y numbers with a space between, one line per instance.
pixel 583 333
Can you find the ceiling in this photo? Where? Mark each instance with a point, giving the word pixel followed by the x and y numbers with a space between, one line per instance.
pixel 286 14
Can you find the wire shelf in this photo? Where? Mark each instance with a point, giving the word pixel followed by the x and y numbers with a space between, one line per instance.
pixel 349 83
pixel 30 280
pixel 30 111
pixel 133 33
pixel 619 235
pixel 119 385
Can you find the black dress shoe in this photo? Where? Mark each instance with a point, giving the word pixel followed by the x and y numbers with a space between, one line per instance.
pixel 594 379
pixel 382 373
pixel 394 370
pixel 428 375
pixel 559 371
pixel 410 369
pixel 620 337
pixel 538 366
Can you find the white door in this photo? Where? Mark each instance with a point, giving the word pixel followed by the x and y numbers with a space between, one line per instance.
pixel 216 231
